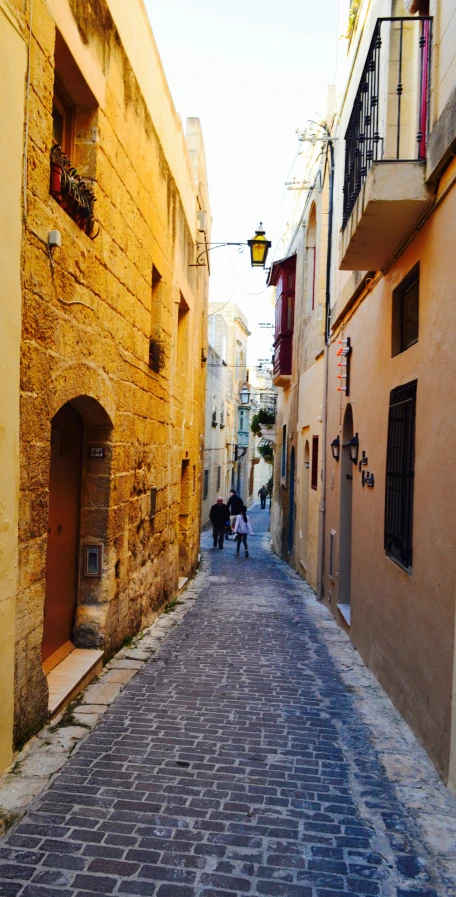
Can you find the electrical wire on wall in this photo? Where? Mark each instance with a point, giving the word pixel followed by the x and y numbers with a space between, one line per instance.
pixel 27 105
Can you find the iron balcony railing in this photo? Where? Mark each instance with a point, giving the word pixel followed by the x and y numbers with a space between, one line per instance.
pixel 390 115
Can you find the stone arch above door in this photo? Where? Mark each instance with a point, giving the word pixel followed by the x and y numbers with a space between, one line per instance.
pixel 78 383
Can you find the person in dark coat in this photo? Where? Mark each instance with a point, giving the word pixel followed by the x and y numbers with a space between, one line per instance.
pixel 218 516
pixel 263 493
pixel 235 505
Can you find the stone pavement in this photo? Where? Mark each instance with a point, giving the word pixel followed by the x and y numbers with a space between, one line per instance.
pixel 237 761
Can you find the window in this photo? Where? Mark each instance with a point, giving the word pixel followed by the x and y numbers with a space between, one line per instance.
pixel 214 411
pixel 314 471
pixel 285 295
pixel 185 488
pixel 157 355
pixel 206 484
pixel 400 465
pixel 284 451
pixel 182 335
pixel 74 131
pixel 153 504
pixel 219 478
pixel 311 239
pixel 222 415
pixel 406 312
pixel 63 118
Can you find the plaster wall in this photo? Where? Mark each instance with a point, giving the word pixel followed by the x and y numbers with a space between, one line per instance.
pixel 88 315
pixel 300 406
pixel 402 624
pixel 13 60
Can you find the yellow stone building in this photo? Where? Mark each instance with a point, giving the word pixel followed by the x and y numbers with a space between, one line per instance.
pixel 113 325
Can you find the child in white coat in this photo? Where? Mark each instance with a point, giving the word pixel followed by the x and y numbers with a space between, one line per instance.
pixel 242 528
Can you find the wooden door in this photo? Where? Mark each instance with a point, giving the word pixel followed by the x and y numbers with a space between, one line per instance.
pixel 63 530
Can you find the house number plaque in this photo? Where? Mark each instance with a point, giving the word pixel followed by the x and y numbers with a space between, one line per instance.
pixel 96 451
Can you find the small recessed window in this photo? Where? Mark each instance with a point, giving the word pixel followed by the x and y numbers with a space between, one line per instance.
pixel 406 312
pixel 206 484
pixel 153 504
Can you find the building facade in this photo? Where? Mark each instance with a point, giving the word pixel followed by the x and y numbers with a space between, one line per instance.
pixel 391 522
pixel 112 379
pixel 301 288
pixel 228 443
pixel 386 539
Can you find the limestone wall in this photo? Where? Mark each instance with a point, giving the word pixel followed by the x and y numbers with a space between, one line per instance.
pixel 88 315
pixel 12 74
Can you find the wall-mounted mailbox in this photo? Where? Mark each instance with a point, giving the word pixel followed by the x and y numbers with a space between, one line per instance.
pixel 93 560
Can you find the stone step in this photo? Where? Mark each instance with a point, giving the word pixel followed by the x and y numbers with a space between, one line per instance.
pixel 71 676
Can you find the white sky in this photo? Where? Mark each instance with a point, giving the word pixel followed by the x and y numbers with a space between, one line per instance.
pixel 252 73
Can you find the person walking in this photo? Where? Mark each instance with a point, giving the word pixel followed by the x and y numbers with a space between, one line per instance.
pixel 218 515
pixel 235 506
pixel 241 529
pixel 263 493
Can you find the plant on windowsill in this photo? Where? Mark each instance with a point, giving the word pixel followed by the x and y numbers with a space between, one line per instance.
pixel 263 417
pixel 266 451
pixel 157 355
pixel 71 192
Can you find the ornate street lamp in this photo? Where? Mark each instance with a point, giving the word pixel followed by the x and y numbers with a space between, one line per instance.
pixel 259 247
pixel 353 445
pixel 244 394
pixel 335 448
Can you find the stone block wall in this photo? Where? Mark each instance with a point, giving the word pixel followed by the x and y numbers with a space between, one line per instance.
pixel 87 319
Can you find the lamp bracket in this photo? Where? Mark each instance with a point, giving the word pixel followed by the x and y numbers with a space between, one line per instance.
pixel 207 247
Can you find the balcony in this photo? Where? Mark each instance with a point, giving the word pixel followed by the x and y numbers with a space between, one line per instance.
pixel 385 192
pixel 283 349
pixel 283 275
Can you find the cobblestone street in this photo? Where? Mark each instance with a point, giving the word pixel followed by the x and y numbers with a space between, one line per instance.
pixel 234 763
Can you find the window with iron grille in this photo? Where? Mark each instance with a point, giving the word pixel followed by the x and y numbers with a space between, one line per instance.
pixel 400 464
pixel 314 471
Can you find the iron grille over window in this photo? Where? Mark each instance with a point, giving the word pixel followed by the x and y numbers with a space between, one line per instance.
pixel 400 464
pixel 374 132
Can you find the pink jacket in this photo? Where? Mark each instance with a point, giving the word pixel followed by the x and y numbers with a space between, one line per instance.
pixel 241 526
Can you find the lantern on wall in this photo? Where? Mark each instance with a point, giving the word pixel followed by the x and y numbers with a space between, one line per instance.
pixel 259 247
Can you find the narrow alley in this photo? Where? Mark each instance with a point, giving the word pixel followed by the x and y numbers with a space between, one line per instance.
pixel 234 763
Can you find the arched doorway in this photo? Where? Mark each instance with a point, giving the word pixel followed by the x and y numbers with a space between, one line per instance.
pixel 63 531
pixel 346 490
pixel 292 502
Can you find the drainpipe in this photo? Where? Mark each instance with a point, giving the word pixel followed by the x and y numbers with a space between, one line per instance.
pixel 322 508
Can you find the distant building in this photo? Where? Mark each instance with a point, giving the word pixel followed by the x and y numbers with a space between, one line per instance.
pixel 227 433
